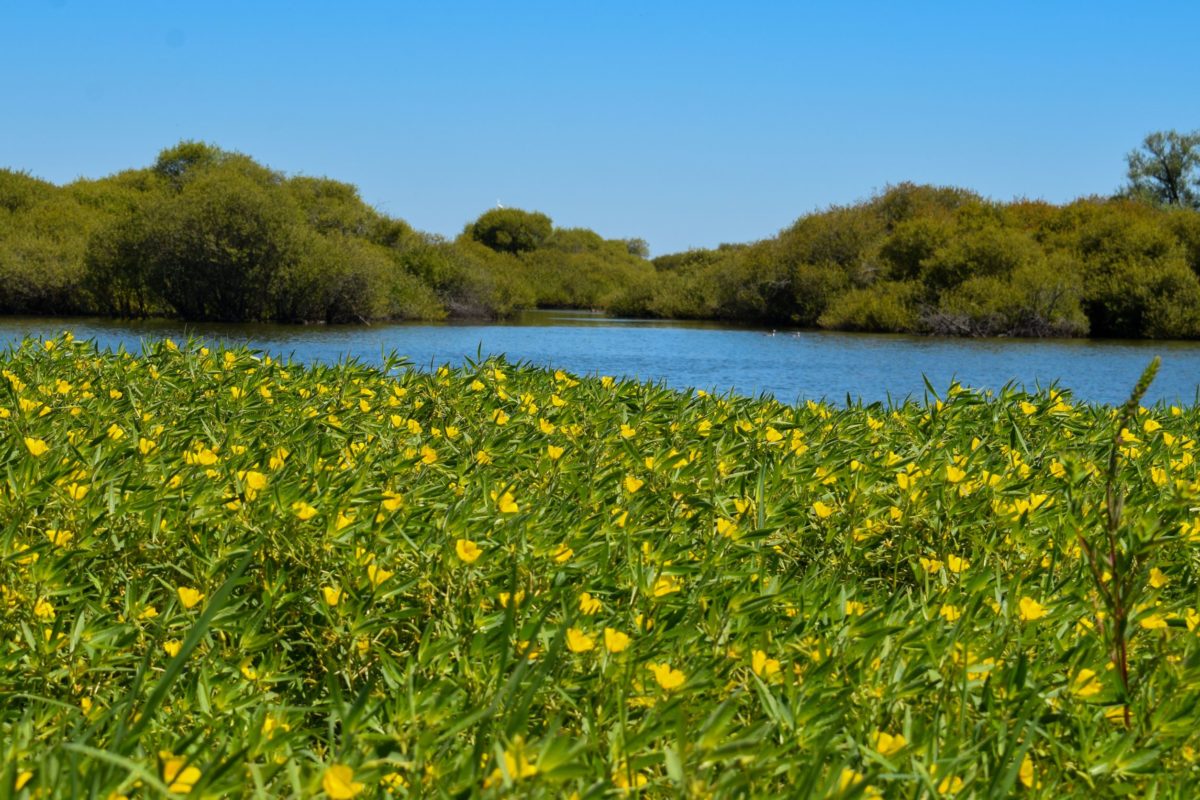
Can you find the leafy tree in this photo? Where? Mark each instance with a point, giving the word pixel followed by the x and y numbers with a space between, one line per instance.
pixel 637 247
pixel 1166 169
pixel 332 206
pixel 511 230
pixel 211 251
pixel 20 191
pixel 176 162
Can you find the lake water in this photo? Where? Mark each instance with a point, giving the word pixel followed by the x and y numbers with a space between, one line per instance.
pixel 788 365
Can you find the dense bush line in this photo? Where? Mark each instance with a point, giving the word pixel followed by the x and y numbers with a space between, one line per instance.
pixel 945 261
pixel 205 234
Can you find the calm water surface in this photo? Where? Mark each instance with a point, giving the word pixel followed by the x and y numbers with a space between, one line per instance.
pixel 789 365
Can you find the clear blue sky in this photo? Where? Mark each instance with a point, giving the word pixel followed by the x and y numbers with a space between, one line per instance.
pixel 687 124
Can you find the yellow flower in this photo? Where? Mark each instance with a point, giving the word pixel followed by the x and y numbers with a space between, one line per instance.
pixel 188 596
pixel 957 564
pixel 303 510
pixel 1158 578
pixel 614 640
pixel 632 484
pixel 76 491
pixel 332 594
pixel 392 501
pixel 886 744
pixel 37 447
pixel 428 454
pixel 1086 684
pixel 623 780
pixel 669 679
pixel 23 777
pixel 499 417
pixel 172 646
pixel 578 641
pixel 179 776
pixel 278 458
pixel 850 779
pixel 515 599
pixel 1191 619
pixel 1031 609
pixel 854 608
pixel 589 605
pixel 59 538
pixel 1153 622
pixel 254 480
pixel 146 445
pixel 562 554
pixel 505 503
pixel 950 612
pixel 338 782
pixel 666 585
pixel 823 511
pixel 726 528
pixel 773 435
pixel 43 609
pixel 627 432
pixel 554 452
pixel 200 455
pixel 763 666
pixel 467 550
pixel 1026 774
pixel 950 785
pixel 516 765
pixel 954 474
pixel 377 575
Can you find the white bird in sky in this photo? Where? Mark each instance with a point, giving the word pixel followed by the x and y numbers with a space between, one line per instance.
pixel 498 203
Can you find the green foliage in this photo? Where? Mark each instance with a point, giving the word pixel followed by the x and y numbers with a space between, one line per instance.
pixel 205 233
pixel 213 250
pixel 884 307
pixel 511 230
pixel 1035 300
pixel 958 265
pixel 500 581
pixel 1166 169
pixel 20 191
pixel 175 163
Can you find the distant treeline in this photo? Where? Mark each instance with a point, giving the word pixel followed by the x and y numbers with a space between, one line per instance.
pixel 924 259
pixel 205 234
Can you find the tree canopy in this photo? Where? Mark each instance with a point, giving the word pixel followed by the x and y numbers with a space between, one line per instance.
pixel 1166 169
pixel 208 234
pixel 511 230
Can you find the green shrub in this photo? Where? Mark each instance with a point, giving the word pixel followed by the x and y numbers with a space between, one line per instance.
pixel 887 306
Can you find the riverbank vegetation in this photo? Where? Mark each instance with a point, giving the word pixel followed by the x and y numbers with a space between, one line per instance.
pixel 205 234
pixel 224 575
